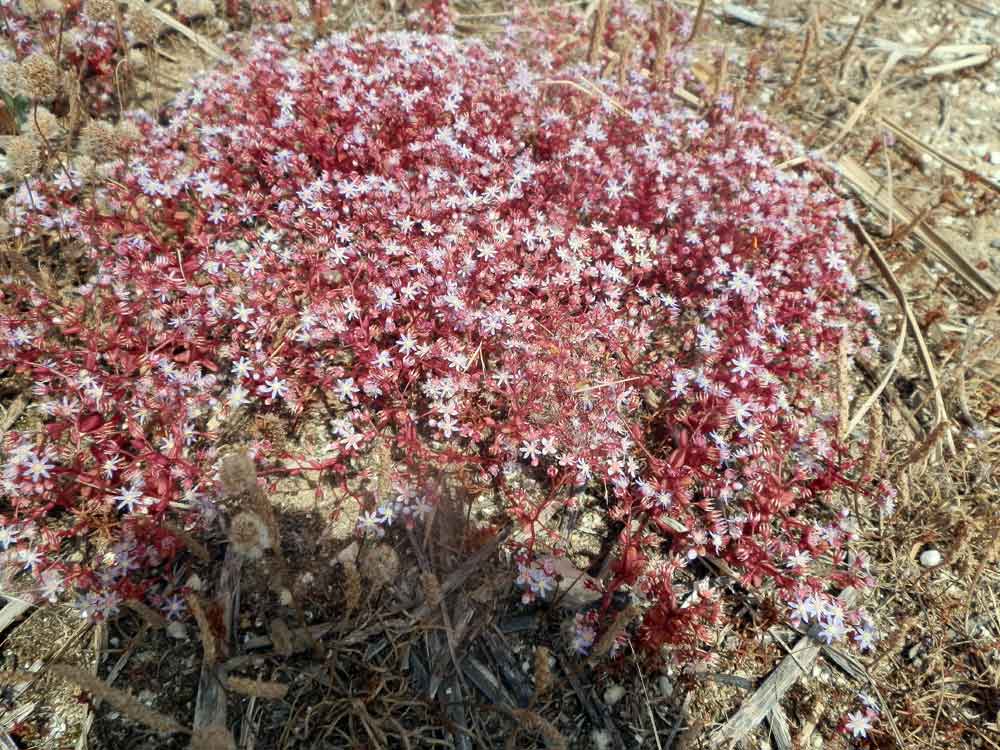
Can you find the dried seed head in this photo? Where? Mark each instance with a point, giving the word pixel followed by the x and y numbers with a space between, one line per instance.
pixel 102 10
pixel 352 585
pixel 137 60
pixel 34 8
pixel 99 141
pixel 145 27
pixel 281 637
pixel 257 688
pixel 238 475
pixel 44 125
pixel 125 703
pixel 23 156
pixel 380 565
pixel 196 8
pixel 213 737
pixel 249 535
pixel 543 672
pixel 11 77
pixel 42 77
pixel 85 167
pixel 432 588
pixel 128 134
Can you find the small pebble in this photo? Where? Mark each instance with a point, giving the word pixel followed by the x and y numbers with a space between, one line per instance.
pixel 177 631
pixel 613 694
pixel 930 558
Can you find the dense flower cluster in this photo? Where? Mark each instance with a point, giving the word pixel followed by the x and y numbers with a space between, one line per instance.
pixel 563 294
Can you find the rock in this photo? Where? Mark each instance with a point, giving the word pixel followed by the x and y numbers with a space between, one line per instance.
pixel 177 631
pixel 930 558
pixel 613 694
pixel 601 739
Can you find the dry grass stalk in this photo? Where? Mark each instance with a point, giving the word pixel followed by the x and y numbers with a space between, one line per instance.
pixel 876 442
pixel 204 628
pixel 543 672
pixel 663 42
pixel 793 87
pixel 597 32
pixel 624 48
pixel 268 690
pixel 622 620
pixel 123 702
pixel 920 453
pixel 533 722
pixel 843 387
pixel 720 79
pixel 903 231
pixel 892 644
pixel 697 22
pixel 941 413
pixel 862 20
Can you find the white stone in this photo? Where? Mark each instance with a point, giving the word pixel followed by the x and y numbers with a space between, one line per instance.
pixel 601 739
pixel 613 694
pixel 930 558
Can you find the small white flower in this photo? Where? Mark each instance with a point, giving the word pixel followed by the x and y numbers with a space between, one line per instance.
pixel 858 724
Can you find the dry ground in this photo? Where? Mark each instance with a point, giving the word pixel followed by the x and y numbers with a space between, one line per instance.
pixel 903 98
